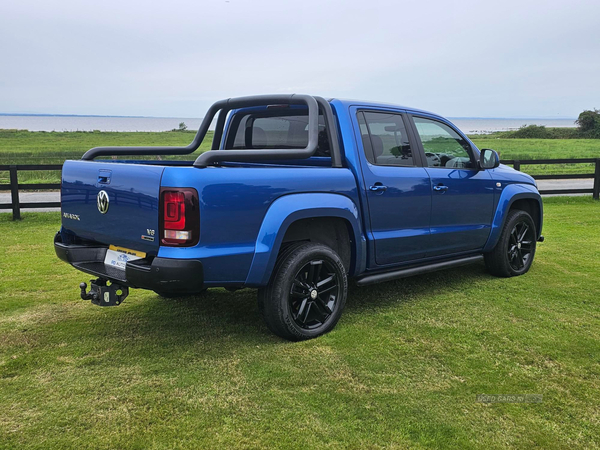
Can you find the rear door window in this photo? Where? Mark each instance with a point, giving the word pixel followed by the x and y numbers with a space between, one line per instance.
pixel 385 139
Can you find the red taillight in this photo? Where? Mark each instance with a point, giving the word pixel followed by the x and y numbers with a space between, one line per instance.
pixel 174 210
pixel 180 218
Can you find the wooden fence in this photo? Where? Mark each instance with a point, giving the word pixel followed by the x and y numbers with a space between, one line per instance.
pixel 14 186
pixel 595 190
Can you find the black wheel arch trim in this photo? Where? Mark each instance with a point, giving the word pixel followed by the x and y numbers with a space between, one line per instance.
pixel 504 205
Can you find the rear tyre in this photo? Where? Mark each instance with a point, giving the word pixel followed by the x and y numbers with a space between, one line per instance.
pixel 514 252
pixel 307 292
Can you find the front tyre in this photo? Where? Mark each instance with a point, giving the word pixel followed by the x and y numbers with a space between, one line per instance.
pixel 306 294
pixel 514 252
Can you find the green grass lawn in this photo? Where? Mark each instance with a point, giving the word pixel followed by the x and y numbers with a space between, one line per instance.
pixel 401 369
pixel 544 149
pixel 24 147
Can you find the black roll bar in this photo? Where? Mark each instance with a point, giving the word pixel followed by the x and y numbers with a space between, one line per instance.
pixel 332 132
pixel 223 107
pixel 214 156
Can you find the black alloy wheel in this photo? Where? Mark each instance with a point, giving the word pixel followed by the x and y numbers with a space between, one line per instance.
pixel 313 294
pixel 307 292
pixel 515 249
pixel 520 245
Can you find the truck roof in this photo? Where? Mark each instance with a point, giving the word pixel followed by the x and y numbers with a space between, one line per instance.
pixel 352 102
pixel 345 103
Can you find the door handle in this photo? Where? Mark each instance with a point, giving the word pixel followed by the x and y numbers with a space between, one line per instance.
pixel 440 188
pixel 104 176
pixel 378 187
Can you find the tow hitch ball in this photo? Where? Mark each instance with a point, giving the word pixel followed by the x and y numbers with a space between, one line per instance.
pixel 104 294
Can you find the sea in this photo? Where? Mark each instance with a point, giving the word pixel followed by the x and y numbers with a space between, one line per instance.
pixel 469 125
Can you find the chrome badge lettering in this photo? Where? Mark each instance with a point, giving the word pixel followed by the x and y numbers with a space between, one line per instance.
pixel 71 216
pixel 102 202
pixel 149 236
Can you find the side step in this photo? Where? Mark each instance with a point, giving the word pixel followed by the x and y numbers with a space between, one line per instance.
pixel 410 271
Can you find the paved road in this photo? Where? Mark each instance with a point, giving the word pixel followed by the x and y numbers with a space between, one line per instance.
pixel 32 197
pixel 587 183
pixel 55 196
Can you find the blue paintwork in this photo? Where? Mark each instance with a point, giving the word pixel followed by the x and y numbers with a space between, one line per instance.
pixel 286 210
pixel 234 202
pixel 461 215
pixel 400 216
pixel 397 219
pixel 133 206
pixel 510 193
pixel 245 208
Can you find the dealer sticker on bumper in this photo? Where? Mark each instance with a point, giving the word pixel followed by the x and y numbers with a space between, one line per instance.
pixel 118 256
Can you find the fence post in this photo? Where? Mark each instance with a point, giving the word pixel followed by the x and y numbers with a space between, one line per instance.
pixel 517 164
pixel 14 193
pixel 596 193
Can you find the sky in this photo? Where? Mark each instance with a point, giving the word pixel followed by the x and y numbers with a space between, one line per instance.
pixel 517 59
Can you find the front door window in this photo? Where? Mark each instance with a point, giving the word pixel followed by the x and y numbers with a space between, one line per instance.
pixel 444 147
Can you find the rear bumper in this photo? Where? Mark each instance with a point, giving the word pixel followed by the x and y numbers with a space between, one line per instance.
pixel 159 274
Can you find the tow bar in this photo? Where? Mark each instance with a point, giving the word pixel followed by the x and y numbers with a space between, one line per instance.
pixel 104 294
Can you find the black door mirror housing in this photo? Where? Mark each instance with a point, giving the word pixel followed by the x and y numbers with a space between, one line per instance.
pixel 488 159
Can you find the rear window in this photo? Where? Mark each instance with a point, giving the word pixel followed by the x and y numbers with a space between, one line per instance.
pixel 274 130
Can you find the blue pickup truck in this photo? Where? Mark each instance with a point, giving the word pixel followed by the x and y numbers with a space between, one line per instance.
pixel 297 195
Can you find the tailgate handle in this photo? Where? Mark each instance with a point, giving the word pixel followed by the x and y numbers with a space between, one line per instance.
pixel 104 176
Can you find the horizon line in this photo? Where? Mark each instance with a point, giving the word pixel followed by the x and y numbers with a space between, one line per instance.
pixel 92 115
pixel 201 118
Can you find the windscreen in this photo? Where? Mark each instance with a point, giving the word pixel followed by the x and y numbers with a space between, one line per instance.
pixel 274 130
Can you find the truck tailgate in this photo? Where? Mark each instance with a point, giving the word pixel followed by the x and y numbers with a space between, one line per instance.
pixel 112 203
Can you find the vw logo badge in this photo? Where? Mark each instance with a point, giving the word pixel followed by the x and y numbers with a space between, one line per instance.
pixel 102 202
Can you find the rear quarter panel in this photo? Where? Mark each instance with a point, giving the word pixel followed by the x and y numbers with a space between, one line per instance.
pixel 233 204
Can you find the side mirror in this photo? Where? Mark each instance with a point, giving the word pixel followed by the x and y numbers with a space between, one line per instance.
pixel 488 159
